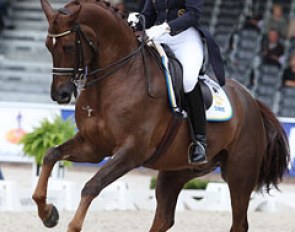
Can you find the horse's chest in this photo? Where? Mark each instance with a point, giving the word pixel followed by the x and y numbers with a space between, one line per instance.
pixel 89 125
pixel 92 128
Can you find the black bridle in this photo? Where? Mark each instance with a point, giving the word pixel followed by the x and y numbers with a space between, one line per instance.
pixel 81 71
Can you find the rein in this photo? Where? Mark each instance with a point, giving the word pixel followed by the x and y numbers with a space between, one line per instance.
pixel 80 72
pixel 114 66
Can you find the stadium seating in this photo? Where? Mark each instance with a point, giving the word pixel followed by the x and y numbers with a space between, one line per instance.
pixel 25 62
pixel 242 58
pixel 229 13
pixel 287 103
pixel 208 12
pixel 267 83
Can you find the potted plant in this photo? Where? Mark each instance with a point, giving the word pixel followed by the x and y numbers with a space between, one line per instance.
pixel 48 134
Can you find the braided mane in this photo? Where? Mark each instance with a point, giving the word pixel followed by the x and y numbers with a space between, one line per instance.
pixel 104 3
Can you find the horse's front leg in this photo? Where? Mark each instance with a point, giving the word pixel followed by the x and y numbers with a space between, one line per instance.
pixel 125 158
pixel 73 150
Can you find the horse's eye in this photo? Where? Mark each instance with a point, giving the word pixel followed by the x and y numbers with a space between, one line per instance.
pixel 68 48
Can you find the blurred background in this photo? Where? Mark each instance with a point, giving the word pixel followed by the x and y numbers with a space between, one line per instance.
pixel 257 41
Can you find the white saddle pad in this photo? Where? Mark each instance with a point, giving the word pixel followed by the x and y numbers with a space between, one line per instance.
pixel 221 109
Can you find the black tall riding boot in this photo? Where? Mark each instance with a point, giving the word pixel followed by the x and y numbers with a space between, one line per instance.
pixel 197 123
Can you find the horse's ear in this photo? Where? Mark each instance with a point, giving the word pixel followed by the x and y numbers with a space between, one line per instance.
pixel 47 9
pixel 74 16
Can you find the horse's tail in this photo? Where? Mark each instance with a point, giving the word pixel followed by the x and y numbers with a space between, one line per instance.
pixel 277 156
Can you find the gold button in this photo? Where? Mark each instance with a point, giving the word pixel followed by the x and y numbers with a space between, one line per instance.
pixel 181 12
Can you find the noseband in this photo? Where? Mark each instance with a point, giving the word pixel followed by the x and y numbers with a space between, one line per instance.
pixel 80 72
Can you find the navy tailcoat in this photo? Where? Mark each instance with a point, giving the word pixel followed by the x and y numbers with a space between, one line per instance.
pixel 181 15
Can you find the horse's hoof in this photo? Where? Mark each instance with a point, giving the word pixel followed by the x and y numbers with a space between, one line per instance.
pixel 52 219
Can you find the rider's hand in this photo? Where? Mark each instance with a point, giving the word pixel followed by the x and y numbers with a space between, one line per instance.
pixel 133 19
pixel 157 31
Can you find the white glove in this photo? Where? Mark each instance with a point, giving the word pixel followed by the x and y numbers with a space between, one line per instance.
pixel 156 31
pixel 133 19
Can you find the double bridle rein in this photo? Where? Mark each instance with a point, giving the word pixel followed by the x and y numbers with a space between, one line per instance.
pixel 81 71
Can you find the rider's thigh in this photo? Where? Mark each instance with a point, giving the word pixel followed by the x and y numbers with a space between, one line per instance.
pixel 191 55
pixel 163 39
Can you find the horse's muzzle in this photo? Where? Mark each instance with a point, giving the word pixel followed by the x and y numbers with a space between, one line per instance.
pixel 64 94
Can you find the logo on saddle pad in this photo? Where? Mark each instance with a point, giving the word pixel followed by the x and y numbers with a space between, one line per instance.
pixel 221 109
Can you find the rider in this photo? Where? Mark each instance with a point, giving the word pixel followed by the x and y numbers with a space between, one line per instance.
pixel 176 23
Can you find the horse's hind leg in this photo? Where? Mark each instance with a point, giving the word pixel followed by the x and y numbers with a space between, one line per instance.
pixel 169 185
pixel 71 150
pixel 240 197
pixel 242 181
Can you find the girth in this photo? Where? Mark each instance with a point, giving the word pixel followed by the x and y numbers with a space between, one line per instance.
pixel 166 141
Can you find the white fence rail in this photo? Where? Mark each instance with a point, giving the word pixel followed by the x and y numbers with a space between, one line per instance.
pixel 66 195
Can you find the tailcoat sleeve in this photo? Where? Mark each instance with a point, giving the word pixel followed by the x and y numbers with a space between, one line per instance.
pixel 190 18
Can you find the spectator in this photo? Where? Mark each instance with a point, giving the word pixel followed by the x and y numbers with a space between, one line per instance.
pixel 272 49
pixel 277 21
pixel 291 29
pixel 120 4
pixel 289 73
pixel 251 23
pixel 3 12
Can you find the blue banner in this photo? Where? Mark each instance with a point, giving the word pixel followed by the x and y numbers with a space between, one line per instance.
pixel 289 127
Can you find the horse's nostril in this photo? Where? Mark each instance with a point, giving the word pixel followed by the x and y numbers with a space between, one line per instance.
pixel 65 95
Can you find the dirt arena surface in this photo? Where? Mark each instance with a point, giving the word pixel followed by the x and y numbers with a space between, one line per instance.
pixel 133 221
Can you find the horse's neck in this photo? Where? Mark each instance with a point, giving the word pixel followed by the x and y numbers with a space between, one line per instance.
pixel 115 41
pixel 116 83
pixel 114 50
pixel 115 38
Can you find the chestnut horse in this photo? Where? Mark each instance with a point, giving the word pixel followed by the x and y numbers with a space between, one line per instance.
pixel 122 113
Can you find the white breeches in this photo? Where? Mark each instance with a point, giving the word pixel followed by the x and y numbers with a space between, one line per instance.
pixel 189 49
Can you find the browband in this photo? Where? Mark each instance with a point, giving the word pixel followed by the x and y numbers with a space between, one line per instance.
pixel 59 34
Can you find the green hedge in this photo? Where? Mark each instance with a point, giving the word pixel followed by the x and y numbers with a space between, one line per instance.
pixel 192 184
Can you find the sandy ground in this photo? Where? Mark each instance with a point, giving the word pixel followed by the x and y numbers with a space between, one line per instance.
pixel 133 221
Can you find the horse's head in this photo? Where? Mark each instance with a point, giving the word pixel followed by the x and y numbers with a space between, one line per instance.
pixel 71 48
pixel 85 39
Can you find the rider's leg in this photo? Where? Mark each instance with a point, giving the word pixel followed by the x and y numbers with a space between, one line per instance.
pixel 189 49
pixel 196 114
